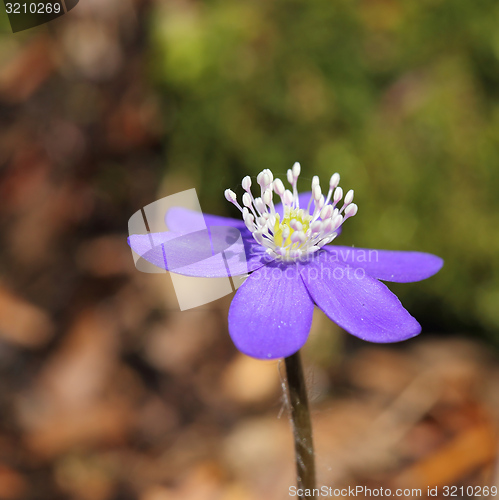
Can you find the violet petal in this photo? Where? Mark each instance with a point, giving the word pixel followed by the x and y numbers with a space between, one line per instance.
pixel 357 302
pixel 271 314
pixel 213 253
pixel 388 265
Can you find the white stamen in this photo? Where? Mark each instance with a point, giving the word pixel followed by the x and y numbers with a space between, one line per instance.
pixel 351 210
pixel 320 202
pixel 349 197
pixel 279 187
pixel 298 237
pixel 316 226
pixel 260 205
pixel 338 194
pixel 230 196
pixel 267 197
pixel 294 232
pixel 327 226
pixel 247 183
pixel 247 201
pixel 296 170
pixel 288 198
pixel 333 184
pixel 316 190
pixel 326 212
pixel 337 222
pixel 263 179
pixel 334 181
pixel 270 174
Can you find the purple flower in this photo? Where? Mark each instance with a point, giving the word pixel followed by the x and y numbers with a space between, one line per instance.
pixel 292 267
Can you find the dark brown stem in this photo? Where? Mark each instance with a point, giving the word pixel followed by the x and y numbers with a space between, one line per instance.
pixel 302 426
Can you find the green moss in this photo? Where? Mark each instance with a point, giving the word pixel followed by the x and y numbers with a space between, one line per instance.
pixel 401 98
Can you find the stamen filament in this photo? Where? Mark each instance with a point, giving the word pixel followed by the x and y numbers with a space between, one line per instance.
pixel 295 232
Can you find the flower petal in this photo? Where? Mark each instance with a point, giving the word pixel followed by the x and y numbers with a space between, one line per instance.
pixel 271 314
pixel 388 265
pixel 213 253
pixel 358 303
pixel 182 220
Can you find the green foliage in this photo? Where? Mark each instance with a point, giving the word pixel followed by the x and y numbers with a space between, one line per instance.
pixel 401 98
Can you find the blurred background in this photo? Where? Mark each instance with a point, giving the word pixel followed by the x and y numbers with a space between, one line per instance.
pixel 107 391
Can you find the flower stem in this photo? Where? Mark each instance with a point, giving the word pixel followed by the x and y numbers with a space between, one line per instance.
pixel 300 417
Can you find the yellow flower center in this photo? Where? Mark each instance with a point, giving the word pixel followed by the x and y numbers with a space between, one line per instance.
pixel 287 227
pixel 302 231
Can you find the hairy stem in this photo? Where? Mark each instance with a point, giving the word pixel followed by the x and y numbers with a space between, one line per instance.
pixel 302 427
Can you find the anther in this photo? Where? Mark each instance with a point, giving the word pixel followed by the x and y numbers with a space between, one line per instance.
pixel 247 183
